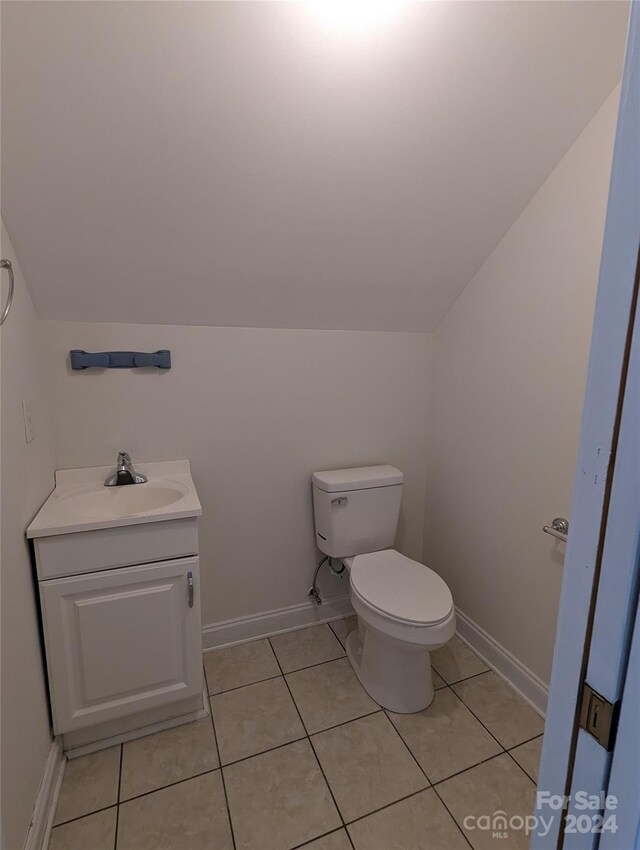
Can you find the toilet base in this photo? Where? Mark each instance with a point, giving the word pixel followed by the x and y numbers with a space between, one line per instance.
pixel 396 674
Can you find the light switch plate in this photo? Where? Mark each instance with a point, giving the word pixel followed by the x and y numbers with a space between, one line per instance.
pixel 27 415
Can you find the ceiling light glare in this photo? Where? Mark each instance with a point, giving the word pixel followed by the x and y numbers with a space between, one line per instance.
pixel 355 16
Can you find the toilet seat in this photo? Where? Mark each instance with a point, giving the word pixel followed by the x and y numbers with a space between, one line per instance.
pixel 401 589
pixel 405 612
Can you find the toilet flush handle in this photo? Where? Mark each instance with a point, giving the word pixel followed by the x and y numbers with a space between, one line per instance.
pixel 341 500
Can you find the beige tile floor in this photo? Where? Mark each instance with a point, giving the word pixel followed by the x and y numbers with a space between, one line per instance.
pixel 296 754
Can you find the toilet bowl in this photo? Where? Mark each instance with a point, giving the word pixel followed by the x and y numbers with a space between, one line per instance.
pixel 405 611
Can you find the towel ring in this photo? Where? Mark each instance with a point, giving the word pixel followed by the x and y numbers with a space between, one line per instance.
pixel 6 264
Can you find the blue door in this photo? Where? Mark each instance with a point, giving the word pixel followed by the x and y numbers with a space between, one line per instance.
pixel 585 762
pixel 624 780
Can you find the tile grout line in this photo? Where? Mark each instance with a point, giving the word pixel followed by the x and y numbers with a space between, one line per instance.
pixel 463 679
pixel 521 768
pixel 440 782
pixel 284 672
pixel 522 743
pixel 319 838
pixel 85 815
pixel 304 726
pixel 344 722
pixel 308 736
pixel 278 675
pixel 505 751
pixel 336 636
pixel 115 805
pixel 210 650
pixel 510 752
pixel 313 750
pixel 320 664
pixel 342 657
pixel 430 784
pixel 305 737
pixel 224 784
pixel 307 733
pixel 171 784
pixel 434 784
pixel 248 685
pixel 346 823
pixel 475 676
pixel 464 835
pixel 408 748
pixel 484 726
pixel 335 802
pixel 465 770
pixel 264 752
pixel 387 806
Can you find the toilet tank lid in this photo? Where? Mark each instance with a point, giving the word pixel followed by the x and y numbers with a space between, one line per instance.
pixel 360 478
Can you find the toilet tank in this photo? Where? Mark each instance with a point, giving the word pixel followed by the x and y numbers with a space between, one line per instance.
pixel 356 510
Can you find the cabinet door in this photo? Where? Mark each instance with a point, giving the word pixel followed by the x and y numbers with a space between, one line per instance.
pixel 122 641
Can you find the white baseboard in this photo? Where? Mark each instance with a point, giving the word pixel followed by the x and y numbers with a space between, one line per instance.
pixel 268 623
pixel 528 685
pixel 47 799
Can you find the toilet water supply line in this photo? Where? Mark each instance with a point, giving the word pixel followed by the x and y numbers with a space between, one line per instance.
pixel 313 590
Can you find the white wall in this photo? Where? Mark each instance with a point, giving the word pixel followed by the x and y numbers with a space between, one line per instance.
pixel 256 411
pixel 510 364
pixel 27 479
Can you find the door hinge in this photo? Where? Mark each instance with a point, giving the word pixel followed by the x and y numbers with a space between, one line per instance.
pixel 598 716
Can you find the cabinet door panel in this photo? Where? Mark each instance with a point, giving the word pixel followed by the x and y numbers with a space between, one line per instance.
pixel 121 641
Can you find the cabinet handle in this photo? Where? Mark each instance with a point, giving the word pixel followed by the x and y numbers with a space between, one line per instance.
pixel 190 586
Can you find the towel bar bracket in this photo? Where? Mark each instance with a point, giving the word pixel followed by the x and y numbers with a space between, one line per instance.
pixel 119 359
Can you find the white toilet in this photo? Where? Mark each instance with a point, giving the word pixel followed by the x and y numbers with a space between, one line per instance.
pixel 404 609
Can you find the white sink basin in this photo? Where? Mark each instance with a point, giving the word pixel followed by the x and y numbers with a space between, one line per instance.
pixel 81 502
pixel 124 501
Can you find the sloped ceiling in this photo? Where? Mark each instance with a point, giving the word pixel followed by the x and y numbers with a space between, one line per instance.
pixel 241 163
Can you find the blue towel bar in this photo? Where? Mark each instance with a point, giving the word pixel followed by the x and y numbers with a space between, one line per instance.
pixel 119 359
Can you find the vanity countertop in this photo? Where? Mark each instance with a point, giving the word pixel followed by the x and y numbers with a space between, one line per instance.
pixel 81 502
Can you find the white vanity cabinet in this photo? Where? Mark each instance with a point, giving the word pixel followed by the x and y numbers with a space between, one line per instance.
pixel 122 641
pixel 120 609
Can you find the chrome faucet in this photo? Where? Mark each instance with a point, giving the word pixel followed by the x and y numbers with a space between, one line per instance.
pixel 125 473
